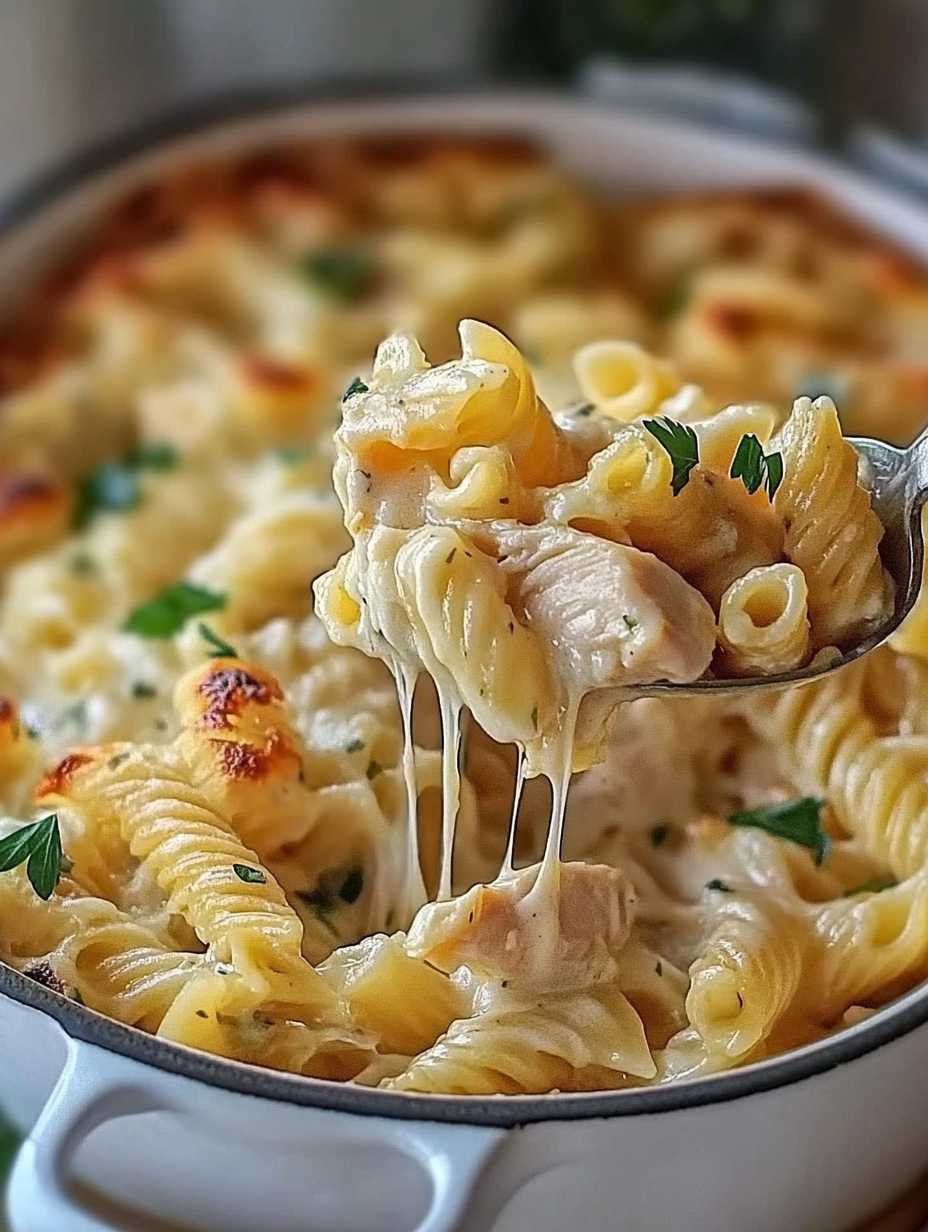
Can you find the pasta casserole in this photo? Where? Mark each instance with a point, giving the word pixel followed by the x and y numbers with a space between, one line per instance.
pixel 322 737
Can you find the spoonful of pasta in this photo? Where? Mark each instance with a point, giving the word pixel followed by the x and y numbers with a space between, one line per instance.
pixel 642 543
pixel 856 550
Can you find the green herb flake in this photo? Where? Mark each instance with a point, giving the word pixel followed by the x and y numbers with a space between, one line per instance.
pixel 535 716
pixel 659 968
pixel 774 478
pixel 631 624
pixel 157 456
pixel 355 745
pixel 660 834
pixel 39 846
pixel 220 649
pixel 873 886
pixel 748 462
pixel 82 564
pixel 341 274
pixel 111 487
pixel 675 298
pixel 681 444
pixel 797 821
pixel 251 876
pixel 143 691
pixel 292 455
pixel 373 769
pixel 355 386
pixel 450 557
pixel 754 468
pixel 353 884
pixel 717 884
pixel 584 410
pixel 168 612
pixel 114 486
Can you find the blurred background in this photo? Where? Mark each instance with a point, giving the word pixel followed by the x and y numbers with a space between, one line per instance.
pixel 75 72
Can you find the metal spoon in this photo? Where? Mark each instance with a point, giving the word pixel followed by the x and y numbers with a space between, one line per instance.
pixel 899 490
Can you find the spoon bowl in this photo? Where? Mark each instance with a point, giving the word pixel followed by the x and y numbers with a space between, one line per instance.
pixel 898 480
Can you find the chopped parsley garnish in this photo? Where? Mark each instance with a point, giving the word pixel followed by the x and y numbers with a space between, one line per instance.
pixel 774 464
pixel 675 298
pixel 355 386
pixel 584 410
pixel 450 557
pixel 798 821
pixel 373 769
pixel 114 486
pixel 157 456
pixel 39 845
pixel 82 564
pixel 221 649
pixel 682 446
pixel 292 455
pixel 754 468
pixel 873 886
pixel 354 746
pixel 168 612
pixel 660 834
pixel 630 623
pixel 251 876
pixel 342 274
pixel 717 884
pixel 535 716
pixel 659 967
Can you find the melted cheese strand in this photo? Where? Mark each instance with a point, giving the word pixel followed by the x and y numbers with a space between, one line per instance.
pixel 450 786
pixel 413 893
pixel 516 801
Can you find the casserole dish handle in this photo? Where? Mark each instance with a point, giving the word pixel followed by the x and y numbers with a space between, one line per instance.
pixel 91 1090
pixel 97 1087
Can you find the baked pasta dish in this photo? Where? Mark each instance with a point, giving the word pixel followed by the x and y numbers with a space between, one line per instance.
pixel 323 742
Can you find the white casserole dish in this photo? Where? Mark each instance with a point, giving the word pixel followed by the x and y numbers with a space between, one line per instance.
pixel 812 1141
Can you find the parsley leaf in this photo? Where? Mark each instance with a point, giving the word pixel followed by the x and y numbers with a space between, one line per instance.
pixel 754 468
pixel 681 444
pixel 143 691
pixel 873 886
pixel 373 769
pixel 798 821
pixel 157 456
pixel 221 649
pixel 675 298
pixel 660 834
pixel 39 845
pixel 168 612
pixel 114 486
pixel 292 455
pixel 342 274
pixel 251 876
pixel 774 478
pixel 355 386
pixel 748 462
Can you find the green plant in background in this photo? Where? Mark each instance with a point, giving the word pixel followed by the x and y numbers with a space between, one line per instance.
pixel 776 39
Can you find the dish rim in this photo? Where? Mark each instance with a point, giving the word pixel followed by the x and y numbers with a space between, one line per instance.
pixel 18 210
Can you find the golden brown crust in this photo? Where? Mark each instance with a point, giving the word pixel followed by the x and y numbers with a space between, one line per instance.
pixel 59 779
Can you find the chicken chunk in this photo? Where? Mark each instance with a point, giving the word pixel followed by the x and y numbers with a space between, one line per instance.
pixel 494 929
